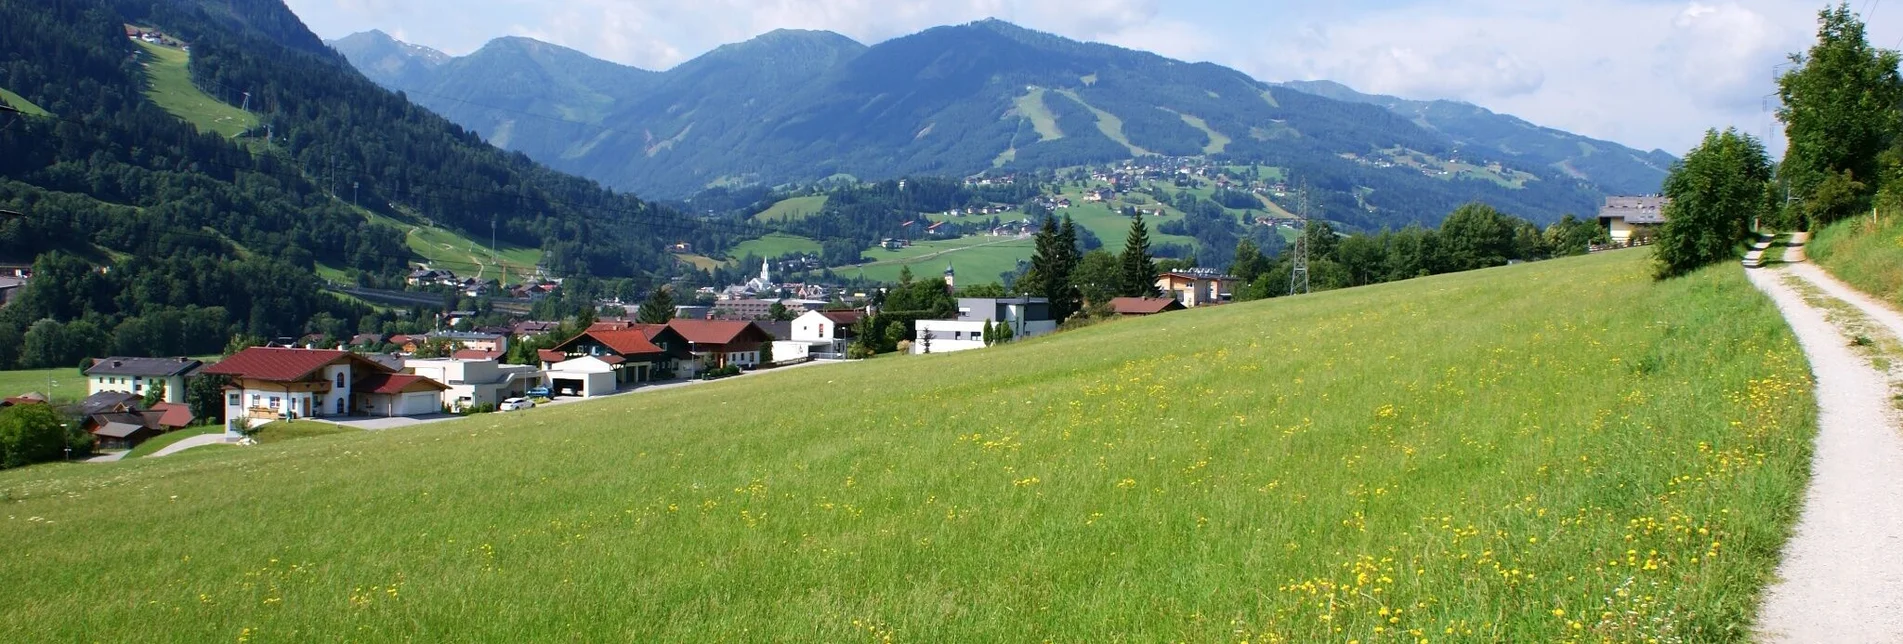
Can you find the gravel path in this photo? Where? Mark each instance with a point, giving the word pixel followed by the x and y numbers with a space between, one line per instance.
pixel 195 441
pixel 1841 579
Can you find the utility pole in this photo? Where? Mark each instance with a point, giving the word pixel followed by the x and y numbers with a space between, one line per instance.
pixel 1298 278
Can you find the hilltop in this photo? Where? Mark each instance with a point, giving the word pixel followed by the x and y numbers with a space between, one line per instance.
pixel 990 96
pixel 1441 458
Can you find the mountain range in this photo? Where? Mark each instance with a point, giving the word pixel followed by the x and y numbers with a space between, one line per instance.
pixel 797 106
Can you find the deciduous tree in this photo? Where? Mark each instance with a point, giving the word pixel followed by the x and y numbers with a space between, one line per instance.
pixel 1715 192
pixel 1840 107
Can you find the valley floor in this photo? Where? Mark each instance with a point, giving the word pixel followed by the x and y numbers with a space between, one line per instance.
pixel 1841 579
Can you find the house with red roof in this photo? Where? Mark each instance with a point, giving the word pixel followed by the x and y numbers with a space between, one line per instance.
pixel 276 383
pixel 606 359
pixel 716 343
pixel 1134 306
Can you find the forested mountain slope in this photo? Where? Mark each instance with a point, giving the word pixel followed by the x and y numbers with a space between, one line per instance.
pixel 958 100
pixel 180 225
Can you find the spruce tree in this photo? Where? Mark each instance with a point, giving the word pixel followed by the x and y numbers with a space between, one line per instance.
pixel 1139 269
pixel 1064 295
pixel 658 308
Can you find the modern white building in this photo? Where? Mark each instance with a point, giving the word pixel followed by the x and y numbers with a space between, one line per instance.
pixel 585 376
pixel 137 376
pixel 1028 317
pixel 826 334
pixel 477 382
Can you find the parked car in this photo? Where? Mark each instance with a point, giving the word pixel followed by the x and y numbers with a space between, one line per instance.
pixel 539 392
pixel 516 404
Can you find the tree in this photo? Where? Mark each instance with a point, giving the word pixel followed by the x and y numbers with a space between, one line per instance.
pixel 989 289
pixel 1840 113
pixel 1715 191
pixel 658 308
pixel 990 333
pixel 436 348
pixel 1138 268
pixel 1099 277
pixel 1571 236
pixel 779 313
pixel 206 395
pixel 154 394
pixel 905 275
pixel 1052 263
pixel 766 353
pixel 1476 236
pixel 31 434
pixel 1249 262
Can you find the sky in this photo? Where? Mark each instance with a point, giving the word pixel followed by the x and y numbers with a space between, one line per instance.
pixel 1645 73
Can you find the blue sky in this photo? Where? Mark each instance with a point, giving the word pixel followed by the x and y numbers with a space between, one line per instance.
pixel 1647 73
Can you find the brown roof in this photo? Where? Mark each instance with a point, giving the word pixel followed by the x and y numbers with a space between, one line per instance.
pixel 173 415
pixel 625 341
pixel 280 364
pixel 650 329
pixel 714 331
pixel 1144 305
pixel 611 325
pixel 475 354
pixel 845 318
pixel 550 355
pixel 611 359
pixel 393 383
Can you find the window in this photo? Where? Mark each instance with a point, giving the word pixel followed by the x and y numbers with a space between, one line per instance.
pixel 232 400
pixel 275 402
pixel 340 379
pixel 255 399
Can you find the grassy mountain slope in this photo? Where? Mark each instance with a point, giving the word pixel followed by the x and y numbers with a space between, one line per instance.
pixel 1615 167
pixel 169 85
pixel 1562 450
pixel 957 100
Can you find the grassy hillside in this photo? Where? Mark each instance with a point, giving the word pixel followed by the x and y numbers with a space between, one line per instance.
pixel 171 88
pixel 1564 450
pixel 775 245
pixel 67 384
pixel 20 103
pixel 978 260
pixel 1866 253
pixel 445 248
pixel 791 209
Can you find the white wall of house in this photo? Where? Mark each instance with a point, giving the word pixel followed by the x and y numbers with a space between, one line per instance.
pixel 948 336
pixel 138 386
pixel 417 403
pixel 596 377
pixel 785 351
pixel 475 382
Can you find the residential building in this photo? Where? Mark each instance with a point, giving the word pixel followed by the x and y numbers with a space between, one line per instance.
pixel 118 420
pixel 627 353
pixel 498 342
pixel 717 343
pixel 11 287
pixel 827 333
pixel 1627 219
pixel 1198 286
pixel 1135 306
pixel 370 340
pixel 531 328
pixel 693 312
pixel 273 383
pixel 137 376
pixel 398 394
pixel 1027 317
pixel 477 382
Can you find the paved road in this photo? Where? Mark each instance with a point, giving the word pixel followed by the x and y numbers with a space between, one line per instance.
pixel 379 424
pixel 1841 578
pixel 195 441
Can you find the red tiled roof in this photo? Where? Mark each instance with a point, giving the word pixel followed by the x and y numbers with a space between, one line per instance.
pixel 650 329
pixel 265 363
pixel 551 355
pixel 609 326
pixel 392 383
pixel 1143 305
pixel 611 359
pixel 711 331
pixel 627 342
pixel 475 354
pixel 844 317
pixel 174 415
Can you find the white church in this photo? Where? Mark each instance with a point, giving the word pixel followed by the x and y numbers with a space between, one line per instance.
pixel 756 287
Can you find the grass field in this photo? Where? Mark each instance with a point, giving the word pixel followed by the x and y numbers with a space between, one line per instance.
pixel 793 209
pixel 701 262
pixel 19 102
pixel 445 248
pixel 775 245
pixel 161 441
pixel 1565 450
pixel 172 89
pixel 1108 124
pixel 1031 106
pixel 977 260
pixel 67 384
pixel 1866 253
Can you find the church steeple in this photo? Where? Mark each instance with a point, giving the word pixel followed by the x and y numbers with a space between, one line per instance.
pixel 766 271
pixel 949 281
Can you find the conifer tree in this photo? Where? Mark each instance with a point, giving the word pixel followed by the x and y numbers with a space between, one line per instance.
pixel 658 308
pixel 1139 268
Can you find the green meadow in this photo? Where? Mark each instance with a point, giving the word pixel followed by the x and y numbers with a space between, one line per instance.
pixel 171 88
pixel 793 209
pixel 20 103
pixel 1557 451
pixel 445 248
pixel 774 245
pixel 1865 252
pixel 975 259
pixel 62 384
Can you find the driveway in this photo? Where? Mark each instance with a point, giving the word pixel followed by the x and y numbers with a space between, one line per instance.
pixel 195 441
pixel 676 384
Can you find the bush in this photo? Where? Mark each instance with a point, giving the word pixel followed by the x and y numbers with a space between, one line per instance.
pixel 859 351
pixel 32 434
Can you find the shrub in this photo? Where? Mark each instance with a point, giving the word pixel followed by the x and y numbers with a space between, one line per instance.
pixel 31 434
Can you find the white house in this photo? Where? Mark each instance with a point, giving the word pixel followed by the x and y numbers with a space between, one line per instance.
pixel 270 383
pixel 1026 316
pixel 826 333
pixel 137 376
pixel 477 382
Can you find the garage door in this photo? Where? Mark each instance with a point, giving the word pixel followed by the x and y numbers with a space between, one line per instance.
pixel 419 404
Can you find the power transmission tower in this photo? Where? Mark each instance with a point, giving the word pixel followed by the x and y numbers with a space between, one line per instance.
pixel 1298 278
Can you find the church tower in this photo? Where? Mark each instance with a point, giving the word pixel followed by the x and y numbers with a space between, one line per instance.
pixel 950 283
pixel 766 271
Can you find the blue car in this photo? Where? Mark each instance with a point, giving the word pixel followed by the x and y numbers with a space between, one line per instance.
pixel 539 392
